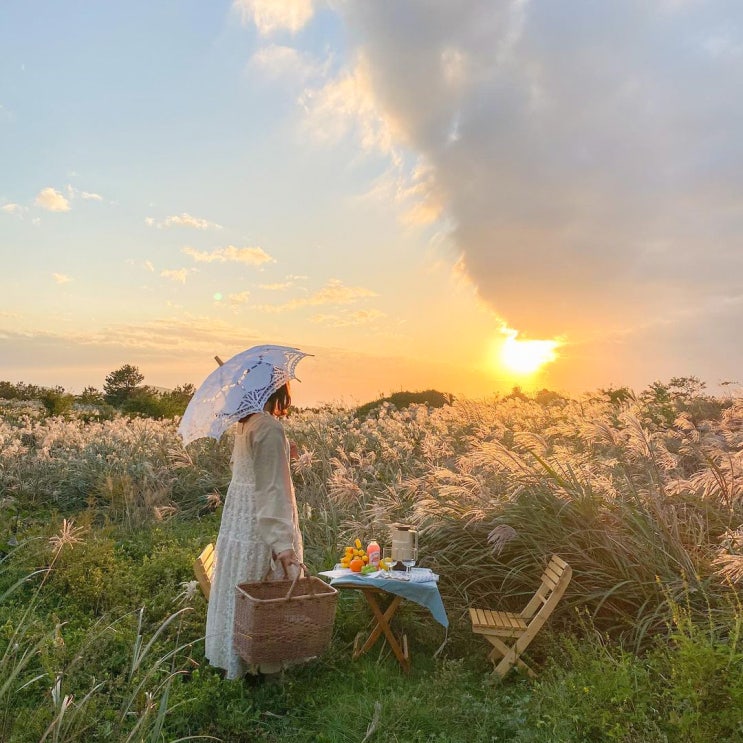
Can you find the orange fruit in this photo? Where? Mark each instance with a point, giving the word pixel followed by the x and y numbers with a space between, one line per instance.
pixel 356 565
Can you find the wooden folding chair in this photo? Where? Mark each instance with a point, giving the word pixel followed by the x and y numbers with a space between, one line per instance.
pixel 509 633
pixel 203 568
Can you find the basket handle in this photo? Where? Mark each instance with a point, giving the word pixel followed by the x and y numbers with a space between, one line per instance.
pixel 302 569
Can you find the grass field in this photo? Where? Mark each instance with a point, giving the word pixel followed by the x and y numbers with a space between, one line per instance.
pixel 101 626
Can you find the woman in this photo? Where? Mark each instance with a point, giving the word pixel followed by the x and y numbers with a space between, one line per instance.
pixel 259 534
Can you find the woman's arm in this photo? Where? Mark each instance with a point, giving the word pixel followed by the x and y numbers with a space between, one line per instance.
pixel 274 494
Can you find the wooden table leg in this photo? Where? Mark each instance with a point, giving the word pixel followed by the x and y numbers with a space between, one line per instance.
pixel 382 626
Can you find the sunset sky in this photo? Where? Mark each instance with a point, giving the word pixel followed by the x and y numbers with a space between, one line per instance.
pixel 464 195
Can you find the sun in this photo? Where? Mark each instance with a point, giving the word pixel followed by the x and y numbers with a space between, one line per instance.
pixel 525 357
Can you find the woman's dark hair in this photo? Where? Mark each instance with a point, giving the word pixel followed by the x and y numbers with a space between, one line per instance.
pixel 280 402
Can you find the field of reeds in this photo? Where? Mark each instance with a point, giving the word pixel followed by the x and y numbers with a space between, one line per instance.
pixel 101 622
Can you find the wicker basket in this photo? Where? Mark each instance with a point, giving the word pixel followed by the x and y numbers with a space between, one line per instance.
pixel 284 620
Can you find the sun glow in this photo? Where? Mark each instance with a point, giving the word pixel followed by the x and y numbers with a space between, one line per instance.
pixel 523 357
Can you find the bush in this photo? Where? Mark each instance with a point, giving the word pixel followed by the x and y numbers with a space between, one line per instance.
pixel 401 400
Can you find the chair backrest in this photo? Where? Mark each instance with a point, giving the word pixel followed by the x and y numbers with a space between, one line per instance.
pixel 555 579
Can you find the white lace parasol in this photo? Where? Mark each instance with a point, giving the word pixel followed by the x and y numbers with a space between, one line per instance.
pixel 240 386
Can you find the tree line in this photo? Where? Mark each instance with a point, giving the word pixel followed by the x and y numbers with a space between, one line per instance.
pixel 123 391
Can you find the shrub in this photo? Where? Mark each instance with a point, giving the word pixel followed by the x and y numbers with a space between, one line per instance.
pixel 400 400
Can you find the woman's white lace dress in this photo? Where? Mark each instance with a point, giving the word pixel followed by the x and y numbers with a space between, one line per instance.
pixel 259 519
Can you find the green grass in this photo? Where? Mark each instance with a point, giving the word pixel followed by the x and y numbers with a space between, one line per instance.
pixel 126 668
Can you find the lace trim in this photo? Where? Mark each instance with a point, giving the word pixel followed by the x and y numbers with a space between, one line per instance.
pixel 238 388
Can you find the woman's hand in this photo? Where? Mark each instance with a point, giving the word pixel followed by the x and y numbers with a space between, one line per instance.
pixel 287 558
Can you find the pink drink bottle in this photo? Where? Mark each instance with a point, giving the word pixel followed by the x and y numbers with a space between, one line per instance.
pixel 373 553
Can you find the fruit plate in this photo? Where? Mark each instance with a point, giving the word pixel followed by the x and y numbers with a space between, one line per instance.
pixel 338 572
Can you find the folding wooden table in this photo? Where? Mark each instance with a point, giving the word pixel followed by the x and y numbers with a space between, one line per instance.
pixel 384 596
pixel 383 617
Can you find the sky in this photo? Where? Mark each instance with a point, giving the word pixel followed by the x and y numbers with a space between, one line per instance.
pixel 465 195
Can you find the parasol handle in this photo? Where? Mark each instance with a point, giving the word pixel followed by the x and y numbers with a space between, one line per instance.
pixel 219 361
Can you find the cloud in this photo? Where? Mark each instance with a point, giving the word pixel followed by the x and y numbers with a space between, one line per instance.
pixel 149 266
pixel 52 200
pixel 172 350
pixel 15 209
pixel 73 193
pixel 270 16
pixel 252 256
pixel 359 317
pixel 278 286
pixel 335 292
pixel 61 278
pixel 277 62
pixel 346 105
pixel 587 155
pixel 413 192
pixel 178 275
pixel 182 220
pixel 161 337
pixel 239 298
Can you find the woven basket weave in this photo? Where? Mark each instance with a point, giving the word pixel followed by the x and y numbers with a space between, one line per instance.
pixel 284 620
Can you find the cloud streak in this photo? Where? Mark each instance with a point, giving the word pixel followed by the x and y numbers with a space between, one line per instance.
pixel 179 275
pixel 348 319
pixel 335 292
pixel 182 220
pixel 251 256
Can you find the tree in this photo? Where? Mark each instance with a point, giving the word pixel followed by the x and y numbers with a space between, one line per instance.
pixel 145 401
pixel 90 396
pixel 547 397
pixel 686 388
pixel 121 384
pixel 152 403
pixel 20 391
pixel 664 401
pixel 176 400
pixel 618 396
pixel 517 394
pixel 56 401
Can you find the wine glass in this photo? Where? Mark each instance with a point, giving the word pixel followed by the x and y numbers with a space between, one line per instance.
pixel 387 559
pixel 410 561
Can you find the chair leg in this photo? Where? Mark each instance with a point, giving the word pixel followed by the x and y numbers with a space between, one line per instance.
pixel 494 655
pixel 508 657
pixel 511 658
